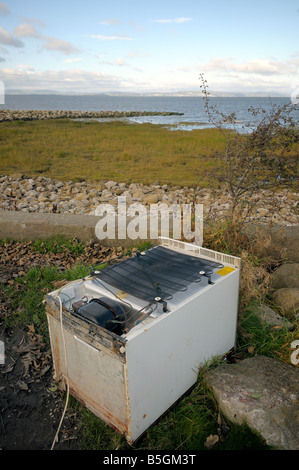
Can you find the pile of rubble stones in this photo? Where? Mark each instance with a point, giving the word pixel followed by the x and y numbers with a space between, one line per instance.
pixel 41 194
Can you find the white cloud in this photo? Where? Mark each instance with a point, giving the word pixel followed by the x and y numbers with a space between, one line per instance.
pixel 74 59
pixel 54 44
pixel 25 67
pixel 136 55
pixel 26 30
pixel 122 37
pixel 50 43
pixel 137 26
pixel 34 21
pixel 255 66
pixel 4 10
pixel 184 68
pixel 110 21
pixel 72 80
pixel 8 39
pixel 256 75
pixel 118 62
pixel 174 20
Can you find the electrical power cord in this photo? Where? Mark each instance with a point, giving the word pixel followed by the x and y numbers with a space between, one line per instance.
pixel 66 378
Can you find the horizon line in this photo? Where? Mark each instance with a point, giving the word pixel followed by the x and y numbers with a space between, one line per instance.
pixel 190 93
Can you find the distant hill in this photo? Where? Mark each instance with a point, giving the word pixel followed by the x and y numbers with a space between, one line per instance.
pixel 216 94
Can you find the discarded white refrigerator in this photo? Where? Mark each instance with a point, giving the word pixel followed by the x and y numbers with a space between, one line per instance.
pixel 130 338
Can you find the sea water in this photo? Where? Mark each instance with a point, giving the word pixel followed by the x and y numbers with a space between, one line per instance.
pixel 193 107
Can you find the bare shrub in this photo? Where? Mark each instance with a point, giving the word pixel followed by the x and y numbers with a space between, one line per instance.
pixel 264 156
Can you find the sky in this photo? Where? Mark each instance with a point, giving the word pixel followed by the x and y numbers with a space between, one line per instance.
pixel 149 46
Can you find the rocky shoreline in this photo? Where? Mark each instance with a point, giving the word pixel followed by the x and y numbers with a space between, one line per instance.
pixel 32 115
pixel 41 194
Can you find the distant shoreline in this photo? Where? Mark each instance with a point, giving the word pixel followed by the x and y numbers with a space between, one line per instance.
pixel 213 94
pixel 32 115
pixel 161 109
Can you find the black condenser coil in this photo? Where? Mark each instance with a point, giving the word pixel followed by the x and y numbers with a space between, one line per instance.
pixel 158 272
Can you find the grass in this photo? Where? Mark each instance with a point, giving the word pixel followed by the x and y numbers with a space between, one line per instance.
pixel 258 338
pixel 26 296
pixel 196 416
pixel 58 244
pixel 77 151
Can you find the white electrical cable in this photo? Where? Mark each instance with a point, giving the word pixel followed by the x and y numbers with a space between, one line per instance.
pixel 65 356
pixel 66 378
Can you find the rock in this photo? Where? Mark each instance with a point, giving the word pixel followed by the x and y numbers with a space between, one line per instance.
pixel 287 299
pixel 106 194
pixel 81 197
pixel 287 275
pixel 19 188
pixel 119 191
pixel 10 115
pixel 110 184
pixel 264 393
pixel 43 197
pixel 137 194
pixel 150 198
pixel 8 192
pixel 92 193
pixel 32 193
pixel 271 318
pixel 22 205
pixel 53 197
pixel 128 196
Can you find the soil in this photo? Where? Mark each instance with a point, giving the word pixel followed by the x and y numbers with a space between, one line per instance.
pixel 31 404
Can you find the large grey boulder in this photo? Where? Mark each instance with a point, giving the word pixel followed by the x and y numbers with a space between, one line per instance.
pixel 264 393
pixel 287 299
pixel 281 238
pixel 287 275
pixel 271 318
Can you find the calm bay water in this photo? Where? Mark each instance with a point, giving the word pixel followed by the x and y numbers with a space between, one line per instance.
pixel 194 115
